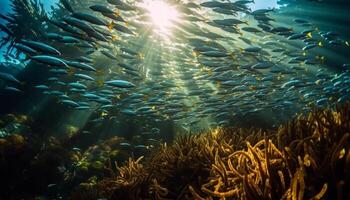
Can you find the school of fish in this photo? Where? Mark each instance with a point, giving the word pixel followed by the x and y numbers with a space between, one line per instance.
pixel 220 61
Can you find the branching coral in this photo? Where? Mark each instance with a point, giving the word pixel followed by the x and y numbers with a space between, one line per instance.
pixel 308 158
pixel 307 162
pixel 131 182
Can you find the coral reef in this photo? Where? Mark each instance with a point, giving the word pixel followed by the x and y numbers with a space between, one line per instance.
pixel 308 158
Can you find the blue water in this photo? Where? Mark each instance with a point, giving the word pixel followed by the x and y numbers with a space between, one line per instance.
pixel 263 4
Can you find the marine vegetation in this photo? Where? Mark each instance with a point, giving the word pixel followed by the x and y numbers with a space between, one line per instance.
pixel 93 93
pixel 35 163
pixel 308 158
pixel 25 22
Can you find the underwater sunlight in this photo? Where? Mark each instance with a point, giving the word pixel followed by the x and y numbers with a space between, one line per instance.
pixel 162 15
pixel 174 99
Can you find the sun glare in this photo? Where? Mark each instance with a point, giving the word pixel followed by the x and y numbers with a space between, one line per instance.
pixel 162 14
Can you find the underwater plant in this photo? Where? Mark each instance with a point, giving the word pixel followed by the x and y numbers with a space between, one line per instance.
pixel 308 158
pixel 26 21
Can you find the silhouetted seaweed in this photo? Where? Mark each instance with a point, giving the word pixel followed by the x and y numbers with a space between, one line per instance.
pixel 25 21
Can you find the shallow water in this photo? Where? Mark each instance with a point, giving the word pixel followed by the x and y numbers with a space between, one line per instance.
pixel 326 57
pixel 99 80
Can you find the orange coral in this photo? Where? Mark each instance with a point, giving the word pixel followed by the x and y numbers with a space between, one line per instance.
pixel 308 158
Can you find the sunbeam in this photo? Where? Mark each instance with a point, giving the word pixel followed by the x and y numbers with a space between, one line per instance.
pixel 162 15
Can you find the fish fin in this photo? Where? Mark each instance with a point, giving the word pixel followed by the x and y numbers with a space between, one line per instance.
pixel 103 114
pixel 111 26
pixel 195 53
pixel 347 43
pixel 320 44
pixel 114 37
pixel 309 35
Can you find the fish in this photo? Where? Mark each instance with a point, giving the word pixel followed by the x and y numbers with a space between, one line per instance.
pixel 120 83
pixel 101 9
pixel 70 103
pixel 84 77
pixel 67 5
pixel 50 60
pixel 121 5
pixel 42 47
pixel 218 61
pixel 78 85
pixel 81 65
pixel 8 77
pixel 42 87
pixel 25 49
pixel 13 89
pixel 90 18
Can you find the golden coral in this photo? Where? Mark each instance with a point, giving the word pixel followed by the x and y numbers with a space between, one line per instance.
pixel 308 158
